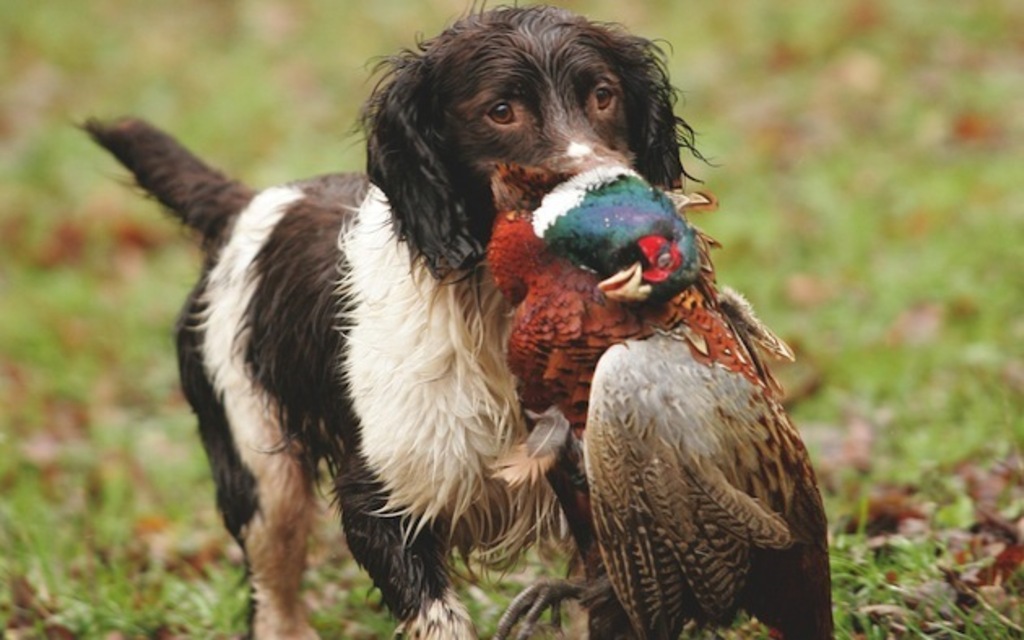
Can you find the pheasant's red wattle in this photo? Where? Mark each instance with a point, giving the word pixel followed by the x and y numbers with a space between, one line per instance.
pixel 661 258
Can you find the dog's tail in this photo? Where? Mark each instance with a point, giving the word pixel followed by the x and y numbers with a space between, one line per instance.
pixel 199 195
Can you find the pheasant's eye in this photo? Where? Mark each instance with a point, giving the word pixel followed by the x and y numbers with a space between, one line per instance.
pixel 665 259
pixel 502 113
pixel 603 97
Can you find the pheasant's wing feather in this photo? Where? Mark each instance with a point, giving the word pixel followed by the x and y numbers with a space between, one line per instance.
pixel 740 315
pixel 690 518
pixel 643 569
pixel 717 501
pixel 802 507
pixel 758 340
pixel 723 523
pixel 716 570
pixel 751 448
pixel 682 457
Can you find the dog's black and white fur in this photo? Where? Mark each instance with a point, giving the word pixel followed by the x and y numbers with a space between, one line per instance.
pixel 349 319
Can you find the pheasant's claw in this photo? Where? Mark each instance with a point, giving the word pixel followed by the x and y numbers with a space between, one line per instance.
pixel 527 607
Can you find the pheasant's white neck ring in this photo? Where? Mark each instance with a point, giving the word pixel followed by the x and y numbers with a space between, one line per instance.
pixel 569 194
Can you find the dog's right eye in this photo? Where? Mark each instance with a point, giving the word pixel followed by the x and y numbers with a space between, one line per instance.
pixel 502 113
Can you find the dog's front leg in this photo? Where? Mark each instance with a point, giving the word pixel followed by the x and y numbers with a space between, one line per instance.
pixel 410 570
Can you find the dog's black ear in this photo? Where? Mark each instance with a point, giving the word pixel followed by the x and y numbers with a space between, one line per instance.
pixel 656 134
pixel 408 159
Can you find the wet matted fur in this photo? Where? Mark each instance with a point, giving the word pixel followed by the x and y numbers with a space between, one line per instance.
pixel 349 319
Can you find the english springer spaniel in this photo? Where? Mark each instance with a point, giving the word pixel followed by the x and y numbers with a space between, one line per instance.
pixel 349 319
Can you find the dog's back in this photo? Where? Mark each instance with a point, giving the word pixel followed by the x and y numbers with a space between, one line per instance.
pixel 276 251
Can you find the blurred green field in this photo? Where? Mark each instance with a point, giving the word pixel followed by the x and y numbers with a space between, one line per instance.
pixel 869 161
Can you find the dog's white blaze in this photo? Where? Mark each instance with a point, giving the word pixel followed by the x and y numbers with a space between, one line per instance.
pixel 578 150
pixel 436 401
pixel 275 539
pixel 570 194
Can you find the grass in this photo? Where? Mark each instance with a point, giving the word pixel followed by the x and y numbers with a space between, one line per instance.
pixel 867 159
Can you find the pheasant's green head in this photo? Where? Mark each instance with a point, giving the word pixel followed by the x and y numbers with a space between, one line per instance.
pixel 611 221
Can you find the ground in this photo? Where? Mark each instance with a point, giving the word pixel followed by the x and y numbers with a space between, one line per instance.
pixel 868 162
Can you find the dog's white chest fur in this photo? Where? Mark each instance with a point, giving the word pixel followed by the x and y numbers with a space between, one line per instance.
pixel 429 381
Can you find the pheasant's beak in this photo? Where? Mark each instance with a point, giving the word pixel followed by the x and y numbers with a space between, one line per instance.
pixel 626 285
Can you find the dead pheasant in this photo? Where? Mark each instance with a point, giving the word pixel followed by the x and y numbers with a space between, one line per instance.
pixel 656 420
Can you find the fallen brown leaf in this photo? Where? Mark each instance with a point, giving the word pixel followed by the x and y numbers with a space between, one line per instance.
pixel 808 291
pixel 918 325
pixel 888 507
pixel 858 446
pixel 1013 376
pixel 972 127
pixel 1007 564
pixel 64 247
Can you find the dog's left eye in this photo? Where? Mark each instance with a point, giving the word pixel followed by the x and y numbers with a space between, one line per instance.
pixel 603 97
pixel 502 113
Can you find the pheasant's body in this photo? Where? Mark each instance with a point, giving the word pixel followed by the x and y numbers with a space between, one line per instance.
pixel 698 491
